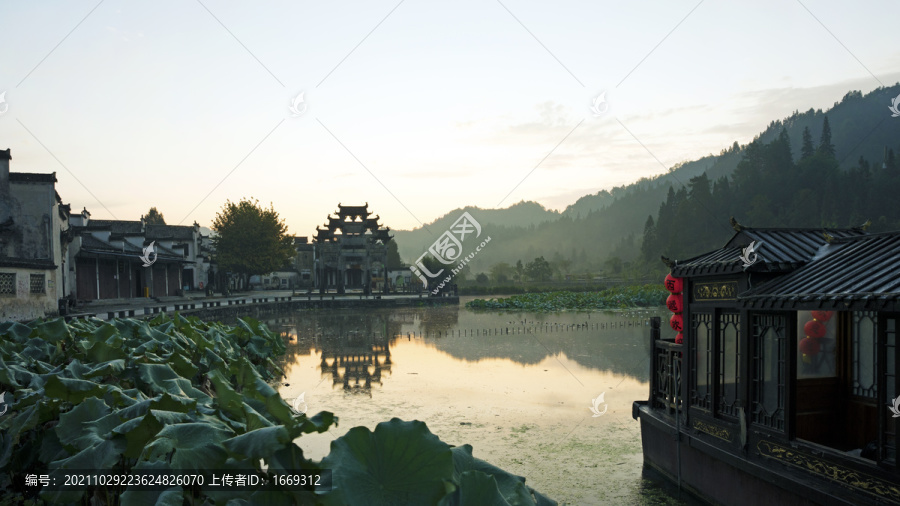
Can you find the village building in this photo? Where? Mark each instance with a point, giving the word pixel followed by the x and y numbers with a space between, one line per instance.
pixel 781 383
pixel 304 262
pixel 110 262
pixel 351 252
pixel 33 242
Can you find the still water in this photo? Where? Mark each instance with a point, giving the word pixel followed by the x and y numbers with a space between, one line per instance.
pixel 518 387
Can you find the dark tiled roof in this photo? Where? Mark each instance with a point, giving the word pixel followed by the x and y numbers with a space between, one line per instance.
pixel 91 244
pixel 777 250
pixel 117 227
pixel 362 210
pixel 162 232
pixel 26 263
pixel 853 269
pixel 791 245
pixel 31 177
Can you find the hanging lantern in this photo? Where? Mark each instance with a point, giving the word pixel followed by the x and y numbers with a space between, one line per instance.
pixel 679 338
pixel 822 316
pixel 810 346
pixel 814 328
pixel 675 303
pixel 673 284
pixel 677 323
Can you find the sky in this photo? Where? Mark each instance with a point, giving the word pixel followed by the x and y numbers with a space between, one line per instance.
pixel 414 107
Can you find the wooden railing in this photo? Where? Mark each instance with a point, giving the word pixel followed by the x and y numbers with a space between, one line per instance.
pixel 665 372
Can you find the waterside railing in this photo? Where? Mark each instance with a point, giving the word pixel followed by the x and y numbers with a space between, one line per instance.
pixel 665 373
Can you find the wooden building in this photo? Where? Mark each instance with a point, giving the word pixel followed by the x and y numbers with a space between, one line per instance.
pixel 785 388
pixel 106 255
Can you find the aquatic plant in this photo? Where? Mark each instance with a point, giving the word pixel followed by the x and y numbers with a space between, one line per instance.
pixel 181 394
pixel 611 298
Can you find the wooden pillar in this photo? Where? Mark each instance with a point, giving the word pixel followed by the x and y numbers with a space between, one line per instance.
pixel 97 274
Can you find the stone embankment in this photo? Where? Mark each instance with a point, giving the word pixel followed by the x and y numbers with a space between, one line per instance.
pixel 230 308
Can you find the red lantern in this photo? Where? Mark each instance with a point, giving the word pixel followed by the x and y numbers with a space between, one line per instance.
pixel 675 303
pixel 815 329
pixel 679 338
pixel 673 284
pixel 822 316
pixel 810 346
pixel 677 323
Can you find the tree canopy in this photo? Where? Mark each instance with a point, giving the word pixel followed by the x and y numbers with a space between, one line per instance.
pixel 154 217
pixel 250 239
pixel 538 269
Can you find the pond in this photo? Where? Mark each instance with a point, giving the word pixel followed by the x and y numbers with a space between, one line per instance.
pixel 518 387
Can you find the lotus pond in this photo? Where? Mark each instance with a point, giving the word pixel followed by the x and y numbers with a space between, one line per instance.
pixel 517 386
pixel 542 396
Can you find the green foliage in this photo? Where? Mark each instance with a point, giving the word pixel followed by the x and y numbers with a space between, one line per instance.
pixel 181 394
pixel 393 256
pixel 404 463
pixel 154 217
pixel 597 226
pixel 612 298
pixel 538 269
pixel 169 394
pixel 250 239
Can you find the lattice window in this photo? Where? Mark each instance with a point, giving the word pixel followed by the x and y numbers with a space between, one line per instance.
pixel 729 363
pixel 702 367
pixel 888 437
pixel 768 370
pixel 7 283
pixel 37 283
pixel 865 356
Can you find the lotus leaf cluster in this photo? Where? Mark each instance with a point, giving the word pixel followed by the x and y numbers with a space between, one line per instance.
pixel 551 302
pixel 179 394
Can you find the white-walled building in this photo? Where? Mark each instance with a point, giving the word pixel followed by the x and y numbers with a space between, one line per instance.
pixel 33 241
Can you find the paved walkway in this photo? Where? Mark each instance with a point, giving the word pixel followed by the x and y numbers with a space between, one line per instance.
pixel 139 306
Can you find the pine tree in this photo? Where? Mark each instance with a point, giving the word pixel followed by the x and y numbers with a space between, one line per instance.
pixel 154 217
pixel 807 150
pixel 825 145
pixel 649 243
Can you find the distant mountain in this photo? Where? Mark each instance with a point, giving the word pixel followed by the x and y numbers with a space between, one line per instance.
pixel 598 227
pixel 412 243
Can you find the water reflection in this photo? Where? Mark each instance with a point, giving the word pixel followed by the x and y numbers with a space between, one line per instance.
pixel 353 346
pixel 518 387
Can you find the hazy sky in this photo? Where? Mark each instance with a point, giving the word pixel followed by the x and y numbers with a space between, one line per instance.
pixel 414 107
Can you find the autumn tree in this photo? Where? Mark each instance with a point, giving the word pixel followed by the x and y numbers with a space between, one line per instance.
pixel 250 240
pixel 154 217
pixel 501 272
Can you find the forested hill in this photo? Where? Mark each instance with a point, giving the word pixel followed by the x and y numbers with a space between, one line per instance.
pixel 797 172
